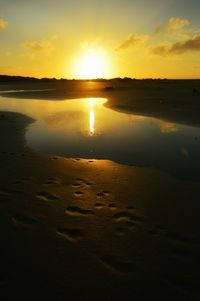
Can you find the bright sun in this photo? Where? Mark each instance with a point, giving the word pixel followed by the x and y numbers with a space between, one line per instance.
pixel 92 64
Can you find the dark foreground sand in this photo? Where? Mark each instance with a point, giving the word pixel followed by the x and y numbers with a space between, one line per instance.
pixel 93 230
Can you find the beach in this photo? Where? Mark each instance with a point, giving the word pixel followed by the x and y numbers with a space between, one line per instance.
pixel 88 229
pixel 171 100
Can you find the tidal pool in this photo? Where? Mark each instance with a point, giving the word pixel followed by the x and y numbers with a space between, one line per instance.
pixel 85 128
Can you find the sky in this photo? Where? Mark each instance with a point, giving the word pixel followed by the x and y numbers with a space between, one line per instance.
pixel 100 38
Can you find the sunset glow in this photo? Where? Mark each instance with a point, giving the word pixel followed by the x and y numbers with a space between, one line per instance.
pixel 100 149
pixel 86 39
pixel 92 64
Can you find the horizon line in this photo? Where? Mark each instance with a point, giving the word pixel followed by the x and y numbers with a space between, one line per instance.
pixel 92 79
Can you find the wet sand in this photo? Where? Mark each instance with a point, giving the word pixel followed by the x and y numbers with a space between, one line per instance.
pixel 75 229
pixel 176 101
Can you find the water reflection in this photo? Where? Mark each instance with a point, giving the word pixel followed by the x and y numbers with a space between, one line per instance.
pixel 91 117
pixel 91 122
pixel 85 128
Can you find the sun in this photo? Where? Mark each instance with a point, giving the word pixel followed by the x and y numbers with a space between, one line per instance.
pixel 92 64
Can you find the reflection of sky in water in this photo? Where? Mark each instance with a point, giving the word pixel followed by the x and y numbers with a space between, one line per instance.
pixel 84 128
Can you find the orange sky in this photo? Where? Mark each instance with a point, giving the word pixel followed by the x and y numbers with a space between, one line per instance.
pixel 89 39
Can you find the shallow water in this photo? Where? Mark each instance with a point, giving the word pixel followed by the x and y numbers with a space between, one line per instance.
pixel 85 128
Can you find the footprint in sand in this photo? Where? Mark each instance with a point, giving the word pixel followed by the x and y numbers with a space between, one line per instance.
pixel 54 158
pixel 128 216
pixel 122 215
pixel 100 194
pixel 78 193
pixel 22 220
pixel 46 196
pixel 112 206
pixel 89 183
pixel 103 193
pixel 82 182
pixel 131 225
pixel 52 181
pixel 77 211
pixel 5 194
pixel 98 206
pixel 131 220
pixel 79 183
pixel 119 264
pixel 71 234
pixel 75 185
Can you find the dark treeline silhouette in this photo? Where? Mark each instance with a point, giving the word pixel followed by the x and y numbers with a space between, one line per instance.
pixel 10 78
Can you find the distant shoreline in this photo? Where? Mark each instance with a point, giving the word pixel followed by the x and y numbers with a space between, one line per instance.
pixel 176 101
pixel 17 78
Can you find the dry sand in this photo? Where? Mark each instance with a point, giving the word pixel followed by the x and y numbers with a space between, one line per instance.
pixel 76 229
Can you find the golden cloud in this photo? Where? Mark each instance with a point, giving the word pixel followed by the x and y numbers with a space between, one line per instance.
pixel 133 40
pixel 161 49
pixel 45 47
pixel 190 45
pixel 3 24
pixel 173 26
pixel 176 24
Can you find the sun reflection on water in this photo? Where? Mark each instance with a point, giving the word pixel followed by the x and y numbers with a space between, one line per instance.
pixel 95 107
pixel 92 104
pixel 92 122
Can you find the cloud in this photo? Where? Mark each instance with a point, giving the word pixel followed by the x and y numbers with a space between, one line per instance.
pixel 3 24
pixel 161 49
pixel 190 45
pixel 45 47
pixel 133 40
pixel 173 26
pixel 176 24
